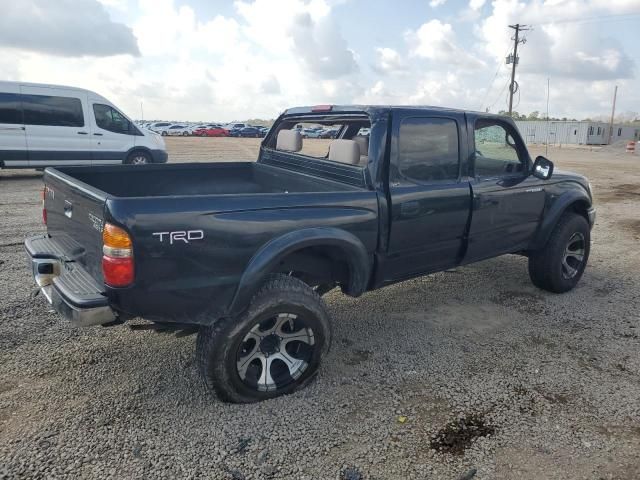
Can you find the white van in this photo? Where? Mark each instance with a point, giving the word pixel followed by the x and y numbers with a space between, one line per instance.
pixel 49 125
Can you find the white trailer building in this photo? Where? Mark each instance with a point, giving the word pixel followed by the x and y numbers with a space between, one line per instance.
pixel 576 133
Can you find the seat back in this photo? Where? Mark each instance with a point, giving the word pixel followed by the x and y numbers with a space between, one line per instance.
pixel 289 141
pixel 345 151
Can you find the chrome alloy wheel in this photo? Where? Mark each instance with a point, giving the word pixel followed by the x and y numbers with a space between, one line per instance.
pixel 275 352
pixel 573 255
pixel 139 159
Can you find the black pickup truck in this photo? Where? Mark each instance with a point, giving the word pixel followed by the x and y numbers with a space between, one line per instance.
pixel 241 252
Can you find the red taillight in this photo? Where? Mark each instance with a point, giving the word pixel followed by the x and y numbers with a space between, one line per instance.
pixel 322 108
pixel 117 271
pixel 44 210
pixel 117 261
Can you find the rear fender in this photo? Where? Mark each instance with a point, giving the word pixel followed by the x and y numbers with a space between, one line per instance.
pixel 268 258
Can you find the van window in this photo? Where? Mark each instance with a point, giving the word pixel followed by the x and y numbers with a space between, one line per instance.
pixel 53 111
pixel 108 118
pixel 10 109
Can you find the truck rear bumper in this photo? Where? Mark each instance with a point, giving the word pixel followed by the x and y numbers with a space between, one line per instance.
pixel 66 285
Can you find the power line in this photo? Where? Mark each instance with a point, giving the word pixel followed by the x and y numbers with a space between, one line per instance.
pixel 486 94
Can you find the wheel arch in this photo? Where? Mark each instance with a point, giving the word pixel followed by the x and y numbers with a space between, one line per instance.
pixel 573 201
pixel 312 250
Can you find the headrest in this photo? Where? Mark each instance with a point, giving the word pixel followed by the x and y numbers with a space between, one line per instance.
pixel 363 144
pixel 345 151
pixel 289 141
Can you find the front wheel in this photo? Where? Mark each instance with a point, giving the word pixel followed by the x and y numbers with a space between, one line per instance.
pixel 274 348
pixel 559 266
pixel 138 158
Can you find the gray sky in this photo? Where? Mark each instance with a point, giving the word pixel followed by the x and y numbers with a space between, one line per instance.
pixel 225 60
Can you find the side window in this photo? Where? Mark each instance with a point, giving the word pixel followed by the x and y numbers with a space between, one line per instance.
pixel 10 108
pixel 495 150
pixel 110 119
pixel 52 111
pixel 428 149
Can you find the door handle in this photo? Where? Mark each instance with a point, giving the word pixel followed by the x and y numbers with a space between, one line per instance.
pixel 98 134
pixel 82 133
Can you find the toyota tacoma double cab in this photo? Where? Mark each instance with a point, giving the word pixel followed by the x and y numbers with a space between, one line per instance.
pixel 242 252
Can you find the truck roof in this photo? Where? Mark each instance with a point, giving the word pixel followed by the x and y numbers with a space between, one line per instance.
pixel 319 109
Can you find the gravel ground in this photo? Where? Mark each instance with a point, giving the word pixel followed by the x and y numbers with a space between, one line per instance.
pixel 468 370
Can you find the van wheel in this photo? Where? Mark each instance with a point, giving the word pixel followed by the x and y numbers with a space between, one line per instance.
pixel 559 266
pixel 138 158
pixel 274 348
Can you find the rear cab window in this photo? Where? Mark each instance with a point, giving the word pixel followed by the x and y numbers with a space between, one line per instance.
pixel 333 137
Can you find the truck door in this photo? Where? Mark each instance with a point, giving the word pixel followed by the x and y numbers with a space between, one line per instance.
pixel 507 201
pixel 429 193
pixel 13 143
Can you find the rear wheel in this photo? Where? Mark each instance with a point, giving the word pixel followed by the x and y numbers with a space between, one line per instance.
pixel 559 266
pixel 274 348
pixel 184 134
pixel 138 158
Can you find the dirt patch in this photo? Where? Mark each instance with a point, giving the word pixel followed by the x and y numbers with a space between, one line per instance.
pixel 619 193
pixel 632 226
pixel 455 437
pixel 524 302
pixel 358 357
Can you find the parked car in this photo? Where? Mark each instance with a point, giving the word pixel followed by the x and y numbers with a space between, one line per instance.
pixel 235 126
pixel 159 127
pixel 329 133
pixel 250 132
pixel 178 129
pixel 311 132
pixel 48 125
pixel 211 131
pixel 241 252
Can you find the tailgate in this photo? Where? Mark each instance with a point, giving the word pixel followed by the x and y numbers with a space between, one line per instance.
pixel 74 212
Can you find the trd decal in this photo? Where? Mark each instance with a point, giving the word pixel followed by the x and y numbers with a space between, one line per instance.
pixel 186 236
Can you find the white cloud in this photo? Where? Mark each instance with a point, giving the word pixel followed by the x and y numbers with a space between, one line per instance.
pixel 436 41
pixel 389 61
pixel 476 4
pixel 436 3
pixel 64 28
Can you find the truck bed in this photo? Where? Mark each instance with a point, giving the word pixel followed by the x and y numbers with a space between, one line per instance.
pixel 200 179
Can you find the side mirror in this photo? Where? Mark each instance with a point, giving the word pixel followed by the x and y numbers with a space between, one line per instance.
pixel 542 168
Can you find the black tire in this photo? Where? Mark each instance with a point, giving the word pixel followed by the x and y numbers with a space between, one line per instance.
pixel 549 268
pixel 138 158
pixel 220 347
pixel 185 134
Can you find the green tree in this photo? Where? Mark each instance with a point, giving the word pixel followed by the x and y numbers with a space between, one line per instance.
pixel 535 115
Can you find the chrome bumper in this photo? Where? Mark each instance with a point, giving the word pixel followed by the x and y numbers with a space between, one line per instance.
pixel 81 308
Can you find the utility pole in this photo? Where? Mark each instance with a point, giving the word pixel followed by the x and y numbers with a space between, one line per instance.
pixel 613 112
pixel 514 61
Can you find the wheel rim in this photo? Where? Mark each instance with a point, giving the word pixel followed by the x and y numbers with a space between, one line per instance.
pixel 139 160
pixel 275 352
pixel 573 255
